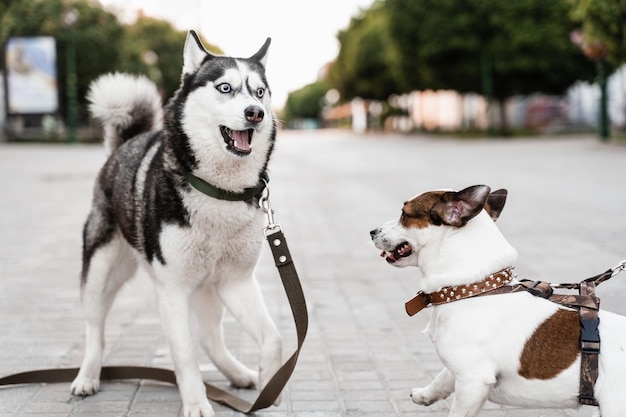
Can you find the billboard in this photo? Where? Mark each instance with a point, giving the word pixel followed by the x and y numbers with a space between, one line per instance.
pixel 31 75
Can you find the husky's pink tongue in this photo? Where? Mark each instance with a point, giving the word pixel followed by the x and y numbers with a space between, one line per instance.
pixel 241 138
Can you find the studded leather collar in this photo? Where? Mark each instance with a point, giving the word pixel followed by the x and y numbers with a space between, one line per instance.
pixel 459 292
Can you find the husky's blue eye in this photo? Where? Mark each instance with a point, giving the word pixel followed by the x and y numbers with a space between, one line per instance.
pixel 224 88
pixel 260 92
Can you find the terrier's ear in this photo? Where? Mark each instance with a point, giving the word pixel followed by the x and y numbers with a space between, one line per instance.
pixel 261 54
pixel 458 207
pixel 495 203
pixel 193 53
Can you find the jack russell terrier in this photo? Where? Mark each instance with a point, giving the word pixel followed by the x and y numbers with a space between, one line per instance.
pixel 512 349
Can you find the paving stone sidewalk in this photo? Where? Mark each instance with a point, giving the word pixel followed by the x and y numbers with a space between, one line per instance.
pixel 362 355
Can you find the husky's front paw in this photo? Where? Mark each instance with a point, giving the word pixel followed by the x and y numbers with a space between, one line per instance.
pixel 244 378
pixel 198 410
pixel 420 396
pixel 264 379
pixel 83 386
pixel 278 399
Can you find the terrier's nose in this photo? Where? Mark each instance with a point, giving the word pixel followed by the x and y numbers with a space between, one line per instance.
pixel 254 114
pixel 374 232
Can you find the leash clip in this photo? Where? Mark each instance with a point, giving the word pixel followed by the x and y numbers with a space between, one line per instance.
pixel 266 206
pixel 619 268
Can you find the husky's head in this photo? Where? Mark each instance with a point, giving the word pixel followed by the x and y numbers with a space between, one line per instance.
pixel 222 114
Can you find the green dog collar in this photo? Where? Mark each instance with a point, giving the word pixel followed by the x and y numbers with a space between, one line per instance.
pixel 221 194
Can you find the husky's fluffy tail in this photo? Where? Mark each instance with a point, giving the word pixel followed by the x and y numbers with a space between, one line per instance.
pixel 126 105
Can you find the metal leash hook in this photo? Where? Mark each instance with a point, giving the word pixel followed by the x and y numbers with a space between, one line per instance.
pixel 598 279
pixel 619 268
pixel 266 206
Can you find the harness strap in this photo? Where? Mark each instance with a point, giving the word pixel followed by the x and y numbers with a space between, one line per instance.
pixel 589 344
pixel 267 396
pixel 586 302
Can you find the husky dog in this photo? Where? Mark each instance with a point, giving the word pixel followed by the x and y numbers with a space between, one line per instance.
pixel 200 251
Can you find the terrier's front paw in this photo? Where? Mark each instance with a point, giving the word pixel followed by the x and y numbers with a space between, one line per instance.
pixel 419 396
pixel 83 386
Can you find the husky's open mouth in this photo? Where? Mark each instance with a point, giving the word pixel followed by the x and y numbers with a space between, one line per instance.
pixel 237 141
pixel 403 250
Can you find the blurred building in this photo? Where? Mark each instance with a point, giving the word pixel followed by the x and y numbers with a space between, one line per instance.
pixel 447 110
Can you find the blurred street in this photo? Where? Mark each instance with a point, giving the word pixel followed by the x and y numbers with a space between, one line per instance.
pixel 363 354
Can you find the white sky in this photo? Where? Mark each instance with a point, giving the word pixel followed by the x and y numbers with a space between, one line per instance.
pixel 303 32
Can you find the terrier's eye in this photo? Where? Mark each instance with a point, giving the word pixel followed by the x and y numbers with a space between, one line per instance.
pixel 260 92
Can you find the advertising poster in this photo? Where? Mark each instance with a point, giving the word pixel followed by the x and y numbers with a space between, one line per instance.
pixel 31 76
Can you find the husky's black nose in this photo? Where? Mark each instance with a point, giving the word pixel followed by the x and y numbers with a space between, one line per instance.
pixel 254 114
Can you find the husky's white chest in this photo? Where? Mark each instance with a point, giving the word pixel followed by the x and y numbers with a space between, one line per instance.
pixel 227 229
pixel 223 238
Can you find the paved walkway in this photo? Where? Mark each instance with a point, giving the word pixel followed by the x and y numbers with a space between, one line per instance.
pixel 565 215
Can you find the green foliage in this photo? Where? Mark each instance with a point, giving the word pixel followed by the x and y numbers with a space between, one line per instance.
pixel 525 44
pixel 604 21
pixel 96 33
pixel 305 103
pixel 490 46
pixel 367 63
pixel 154 48
pixel 102 43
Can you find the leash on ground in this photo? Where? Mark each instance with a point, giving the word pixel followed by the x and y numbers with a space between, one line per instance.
pixel 293 289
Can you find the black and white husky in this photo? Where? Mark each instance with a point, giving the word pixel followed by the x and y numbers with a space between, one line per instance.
pixel 200 251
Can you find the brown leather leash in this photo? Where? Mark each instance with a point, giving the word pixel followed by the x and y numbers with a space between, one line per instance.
pixel 586 302
pixel 293 289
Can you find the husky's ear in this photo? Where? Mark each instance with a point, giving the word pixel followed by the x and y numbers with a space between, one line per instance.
pixel 193 53
pixel 495 203
pixel 261 55
pixel 460 206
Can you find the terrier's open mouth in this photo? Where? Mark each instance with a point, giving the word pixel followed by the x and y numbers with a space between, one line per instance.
pixel 237 141
pixel 403 250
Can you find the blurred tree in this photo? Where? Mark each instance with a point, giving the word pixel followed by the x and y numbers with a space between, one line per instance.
pixel 305 103
pixel 149 46
pixel 602 39
pixel 98 35
pixel 155 48
pixel 498 48
pixel 604 21
pixel 367 65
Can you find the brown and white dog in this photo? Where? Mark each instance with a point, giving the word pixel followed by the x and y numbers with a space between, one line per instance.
pixel 511 349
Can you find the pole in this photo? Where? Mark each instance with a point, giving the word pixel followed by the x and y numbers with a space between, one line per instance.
pixel 70 85
pixel 603 117
pixel 487 87
pixel 71 80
